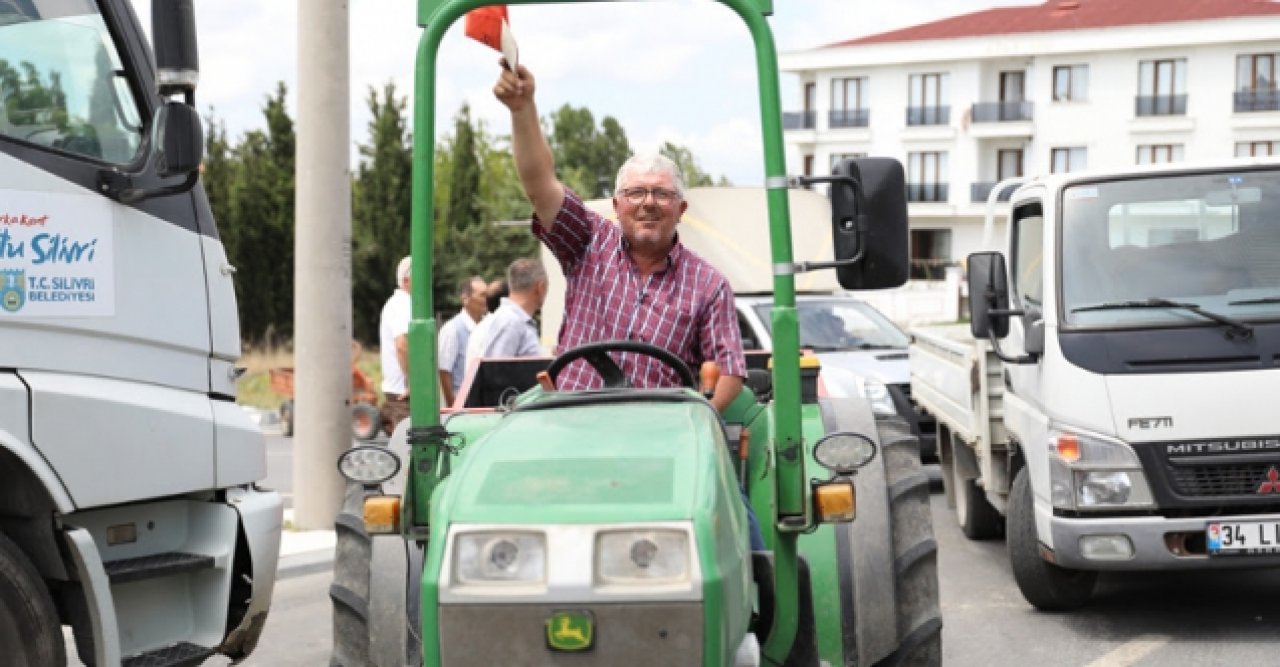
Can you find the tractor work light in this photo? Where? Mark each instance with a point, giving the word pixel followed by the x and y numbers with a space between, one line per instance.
pixel 844 453
pixel 835 501
pixel 368 465
pixel 382 515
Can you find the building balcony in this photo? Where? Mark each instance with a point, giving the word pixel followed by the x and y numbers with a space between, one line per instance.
pixel 1001 112
pixel 978 192
pixel 799 120
pixel 1160 105
pixel 848 118
pixel 928 115
pixel 1257 100
pixel 926 192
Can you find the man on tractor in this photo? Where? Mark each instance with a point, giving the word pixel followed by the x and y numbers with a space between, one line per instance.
pixel 636 282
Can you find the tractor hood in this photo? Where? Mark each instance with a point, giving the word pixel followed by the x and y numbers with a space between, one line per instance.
pixel 584 462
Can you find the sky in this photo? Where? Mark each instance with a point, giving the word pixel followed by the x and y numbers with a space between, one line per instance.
pixel 673 70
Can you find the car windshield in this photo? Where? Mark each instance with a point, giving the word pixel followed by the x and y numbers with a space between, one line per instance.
pixel 1207 246
pixel 828 325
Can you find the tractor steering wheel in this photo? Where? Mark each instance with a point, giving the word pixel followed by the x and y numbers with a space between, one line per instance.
pixel 597 355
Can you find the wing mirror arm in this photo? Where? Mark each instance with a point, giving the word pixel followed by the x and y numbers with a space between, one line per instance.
pixel 859 223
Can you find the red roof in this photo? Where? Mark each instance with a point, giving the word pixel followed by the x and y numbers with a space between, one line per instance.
pixel 1070 15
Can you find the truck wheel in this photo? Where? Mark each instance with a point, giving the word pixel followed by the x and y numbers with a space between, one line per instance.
pixel 374 593
pixel 917 615
pixel 978 519
pixel 1046 586
pixel 365 421
pixel 30 631
pixel 286 418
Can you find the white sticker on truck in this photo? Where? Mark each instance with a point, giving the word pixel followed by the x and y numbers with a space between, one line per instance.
pixel 56 256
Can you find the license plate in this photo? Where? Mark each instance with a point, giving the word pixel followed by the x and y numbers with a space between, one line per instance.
pixel 1243 538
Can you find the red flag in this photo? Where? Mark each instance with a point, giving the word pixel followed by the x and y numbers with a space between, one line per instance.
pixel 485 25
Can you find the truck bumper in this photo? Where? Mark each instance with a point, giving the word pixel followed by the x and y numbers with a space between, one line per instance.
pixel 1158 543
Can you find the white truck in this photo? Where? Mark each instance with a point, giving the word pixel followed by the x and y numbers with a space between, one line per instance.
pixel 128 505
pixel 1115 407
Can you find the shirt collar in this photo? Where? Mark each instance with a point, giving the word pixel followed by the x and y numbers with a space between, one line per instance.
pixel 673 256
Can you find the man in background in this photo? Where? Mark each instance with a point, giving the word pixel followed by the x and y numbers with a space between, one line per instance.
pixel 456 333
pixel 393 341
pixel 513 332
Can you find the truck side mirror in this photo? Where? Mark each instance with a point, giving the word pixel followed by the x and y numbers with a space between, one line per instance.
pixel 988 295
pixel 1034 339
pixel 869 220
pixel 179 138
pixel 173 31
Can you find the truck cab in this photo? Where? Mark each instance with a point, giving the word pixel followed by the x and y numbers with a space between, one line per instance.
pixel 127 472
pixel 1126 373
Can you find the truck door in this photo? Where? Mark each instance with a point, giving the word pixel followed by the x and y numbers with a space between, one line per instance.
pixel 105 311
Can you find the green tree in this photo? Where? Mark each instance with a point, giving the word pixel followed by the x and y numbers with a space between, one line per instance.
pixel 381 201
pixel 587 157
pixel 694 177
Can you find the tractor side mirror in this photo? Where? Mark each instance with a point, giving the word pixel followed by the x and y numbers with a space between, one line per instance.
pixel 988 295
pixel 869 222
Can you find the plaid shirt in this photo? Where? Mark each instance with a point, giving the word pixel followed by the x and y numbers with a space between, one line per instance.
pixel 686 308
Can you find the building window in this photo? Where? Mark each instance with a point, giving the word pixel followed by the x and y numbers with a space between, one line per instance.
pixel 1256 82
pixel 808 165
pixel 848 102
pixel 930 253
pixel 1008 163
pixel 1071 83
pixel 926 177
pixel 1064 160
pixel 1159 153
pixel 1257 148
pixel 1162 87
pixel 927 100
pixel 837 158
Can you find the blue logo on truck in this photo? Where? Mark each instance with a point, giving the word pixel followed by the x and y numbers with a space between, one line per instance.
pixel 13 289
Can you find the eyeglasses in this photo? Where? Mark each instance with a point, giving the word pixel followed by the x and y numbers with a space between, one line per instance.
pixel 660 195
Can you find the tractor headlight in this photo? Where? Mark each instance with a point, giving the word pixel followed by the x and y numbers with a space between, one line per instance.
pixel 1092 471
pixel 844 453
pixel 499 557
pixel 642 556
pixel 877 394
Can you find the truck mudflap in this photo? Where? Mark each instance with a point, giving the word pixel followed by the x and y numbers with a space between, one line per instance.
pixel 261 520
pixel 1158 543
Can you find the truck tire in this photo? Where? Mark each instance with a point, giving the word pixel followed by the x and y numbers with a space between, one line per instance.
pixel 374 593
pixel 30 631
pixel 917 614
pixel 978 519
pixel 286 418
pixel 365 421
pixel 1046 586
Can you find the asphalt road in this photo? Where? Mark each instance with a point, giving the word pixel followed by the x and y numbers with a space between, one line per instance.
pixel 1141 620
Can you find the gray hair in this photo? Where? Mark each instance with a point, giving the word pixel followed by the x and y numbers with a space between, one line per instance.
pixel 524 274
pixel 650 164
pixel 402 270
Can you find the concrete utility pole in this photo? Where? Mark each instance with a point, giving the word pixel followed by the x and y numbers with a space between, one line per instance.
pixel 322 270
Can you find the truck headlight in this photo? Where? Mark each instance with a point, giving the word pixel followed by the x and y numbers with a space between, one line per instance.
pixel 1091 471
pixel 499 557
pixel 642 556
pixel 878 396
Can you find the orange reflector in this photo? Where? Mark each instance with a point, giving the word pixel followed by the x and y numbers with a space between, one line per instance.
pixel 382 515
pixel 1068 448
pixel 835 502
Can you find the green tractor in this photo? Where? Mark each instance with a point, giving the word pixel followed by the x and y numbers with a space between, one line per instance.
pixel 608 527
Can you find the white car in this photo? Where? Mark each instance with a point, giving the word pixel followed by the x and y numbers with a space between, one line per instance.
pixel 861 351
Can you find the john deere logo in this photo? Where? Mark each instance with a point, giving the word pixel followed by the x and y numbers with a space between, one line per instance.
pixel 570 631
pixel 13 290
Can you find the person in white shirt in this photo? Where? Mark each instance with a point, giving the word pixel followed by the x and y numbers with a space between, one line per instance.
pixel 514 333
pixel 456 333
pixel 393 341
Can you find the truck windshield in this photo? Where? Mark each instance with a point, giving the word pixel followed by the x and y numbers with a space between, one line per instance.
pixel 1209 241
pixel 829 325
pixel 62 84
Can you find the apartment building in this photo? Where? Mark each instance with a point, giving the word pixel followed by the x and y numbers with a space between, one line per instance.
pixel 1067 85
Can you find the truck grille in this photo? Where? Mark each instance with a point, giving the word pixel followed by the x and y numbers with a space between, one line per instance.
pixel 1218 480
